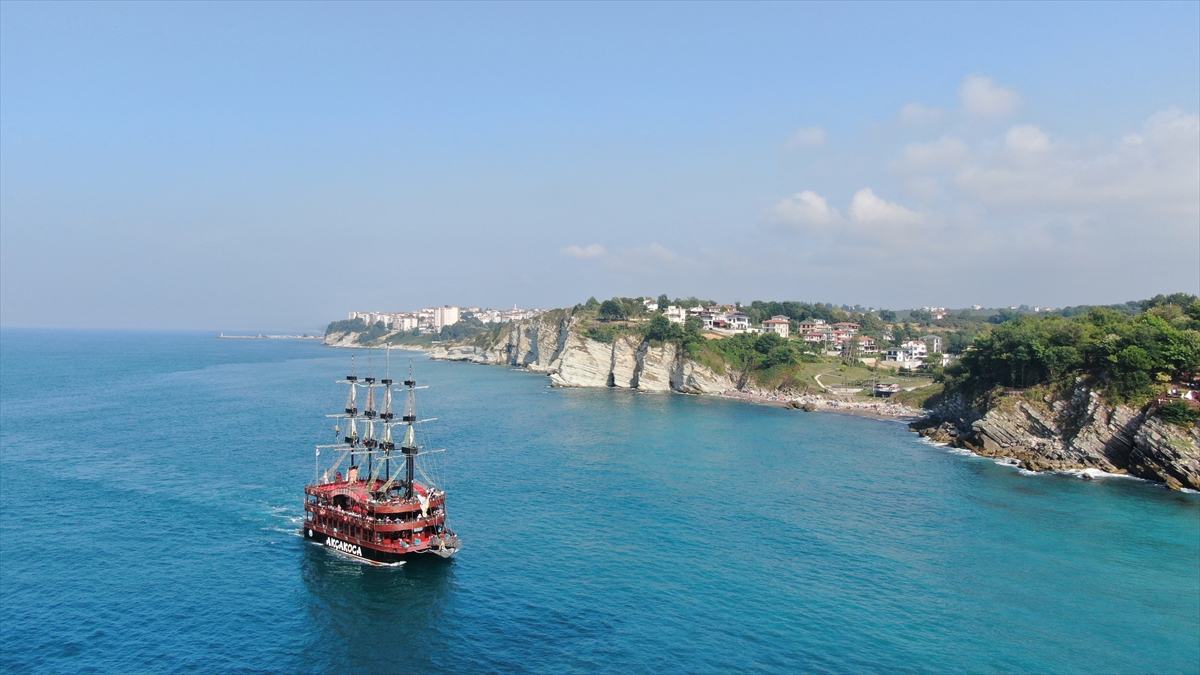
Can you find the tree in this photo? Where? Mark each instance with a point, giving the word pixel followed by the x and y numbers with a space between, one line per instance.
pixel 663 301
pixel 612 310
pixel 768 341
pixel 783 355
pixel 1004 316
pixel 661 329
pixel 592 304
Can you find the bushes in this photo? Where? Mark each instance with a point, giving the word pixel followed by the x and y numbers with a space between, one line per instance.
pixel 1125 355
pixel 346 326
pixel 605 334
pixel 1178 413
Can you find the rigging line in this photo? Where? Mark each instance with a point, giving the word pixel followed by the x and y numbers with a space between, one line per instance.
pixel 337 463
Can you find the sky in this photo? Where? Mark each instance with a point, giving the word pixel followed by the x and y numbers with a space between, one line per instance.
pixel 273 166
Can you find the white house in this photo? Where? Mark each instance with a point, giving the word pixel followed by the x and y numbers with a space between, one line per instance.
pixel 915 349
pixel 933 342
pixel 675 314
pixel 778 325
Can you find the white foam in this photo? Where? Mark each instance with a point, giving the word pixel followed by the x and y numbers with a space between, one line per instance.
pixel 1092 474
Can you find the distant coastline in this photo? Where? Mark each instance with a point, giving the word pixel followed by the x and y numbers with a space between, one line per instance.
pixel 269 337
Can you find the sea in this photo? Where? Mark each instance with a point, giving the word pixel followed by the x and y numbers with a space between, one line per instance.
pixel 151 491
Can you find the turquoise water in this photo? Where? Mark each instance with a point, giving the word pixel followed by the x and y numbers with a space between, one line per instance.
pixel 151 490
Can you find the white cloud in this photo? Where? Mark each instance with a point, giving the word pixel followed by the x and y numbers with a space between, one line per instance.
pixel 1154 171
pixel 1022 207
pixel 1026 140
pixel 980 95
pixel 652 252
pixel 589 251
pixel 805 137
pixel 946 153
pixel 916 115
pixel 651 259
pixel 809 210
pixel 805 208
pixel 868 208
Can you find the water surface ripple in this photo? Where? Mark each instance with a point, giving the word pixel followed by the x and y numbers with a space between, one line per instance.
pixel 151 490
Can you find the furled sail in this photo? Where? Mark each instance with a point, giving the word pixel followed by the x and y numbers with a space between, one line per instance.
pixel 410 440
pixel 386 413
pixel 370 409
pixel 352 401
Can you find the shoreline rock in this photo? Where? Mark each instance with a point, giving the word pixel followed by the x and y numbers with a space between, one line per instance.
pixel 1079 433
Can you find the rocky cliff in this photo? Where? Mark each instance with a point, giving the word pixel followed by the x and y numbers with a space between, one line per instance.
pixel 1081 432
pixel 554 344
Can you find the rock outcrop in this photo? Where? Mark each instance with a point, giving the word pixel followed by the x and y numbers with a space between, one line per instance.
pixel 1082 432
pixel 554 344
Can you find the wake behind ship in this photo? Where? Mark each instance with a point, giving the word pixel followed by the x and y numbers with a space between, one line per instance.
pixel 377 511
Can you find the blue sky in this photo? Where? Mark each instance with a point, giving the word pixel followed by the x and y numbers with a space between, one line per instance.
pixel 272 166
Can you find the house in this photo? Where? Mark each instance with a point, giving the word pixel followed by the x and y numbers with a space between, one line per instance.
pixel 738 321
pixel 812 324
pixel 675 314
pixel 778 325
pixel 933 342
pixel 814 337
pixel 866 345
pixel 915 349
pixel 847 326
pixel 910 353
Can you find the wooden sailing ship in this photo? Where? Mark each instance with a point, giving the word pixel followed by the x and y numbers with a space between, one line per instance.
pixel 382 508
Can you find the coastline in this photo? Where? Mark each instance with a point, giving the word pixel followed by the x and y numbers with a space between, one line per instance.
pixel 807 402
pixel 813 403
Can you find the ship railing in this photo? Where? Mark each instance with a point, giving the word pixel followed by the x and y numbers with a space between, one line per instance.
pixel 434 515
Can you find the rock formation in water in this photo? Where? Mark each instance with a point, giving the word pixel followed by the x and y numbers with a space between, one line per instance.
pixel 554 344
pixel 1082 432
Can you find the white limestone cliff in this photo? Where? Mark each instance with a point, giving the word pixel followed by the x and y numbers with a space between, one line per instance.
pixel 554 344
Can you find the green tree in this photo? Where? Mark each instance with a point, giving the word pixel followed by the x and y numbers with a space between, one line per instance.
pixel 661 329
pixel 613 310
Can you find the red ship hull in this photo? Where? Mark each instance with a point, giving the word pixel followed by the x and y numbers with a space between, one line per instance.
pixel 347 518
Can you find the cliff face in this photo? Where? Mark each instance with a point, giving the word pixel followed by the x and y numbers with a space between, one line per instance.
pixel 553 344
pixel 1080 433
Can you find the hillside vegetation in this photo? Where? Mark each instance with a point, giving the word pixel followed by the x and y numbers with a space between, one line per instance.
pixel 1129 357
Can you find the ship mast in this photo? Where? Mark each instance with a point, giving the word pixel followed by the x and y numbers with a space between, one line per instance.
pixel 409 447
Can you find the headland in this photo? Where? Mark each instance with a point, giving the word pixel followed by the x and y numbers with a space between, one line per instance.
pixel 1072 410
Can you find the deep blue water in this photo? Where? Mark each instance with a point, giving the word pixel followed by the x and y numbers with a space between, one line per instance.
pixel 151 491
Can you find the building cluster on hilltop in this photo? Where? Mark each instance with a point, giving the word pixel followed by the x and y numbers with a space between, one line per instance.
pixel 433 319
pixel 843 337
